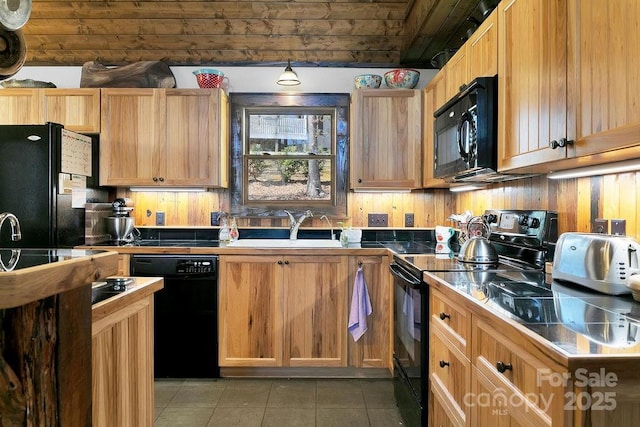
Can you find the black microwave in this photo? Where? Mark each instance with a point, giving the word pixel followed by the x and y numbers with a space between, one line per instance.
pixel 466 134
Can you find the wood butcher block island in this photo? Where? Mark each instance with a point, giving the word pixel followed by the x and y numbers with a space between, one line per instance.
pixel 45 362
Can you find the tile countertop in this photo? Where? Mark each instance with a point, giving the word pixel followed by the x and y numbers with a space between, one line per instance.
pixel 574 322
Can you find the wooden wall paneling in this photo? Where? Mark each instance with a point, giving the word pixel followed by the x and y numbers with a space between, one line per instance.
pixel 396 218
pixel 567 205
pixel 418 220
pixel 366 204
pixel 577 202
pixel 623 201
pixel 611 198
pixel 628 202
pixel 161 206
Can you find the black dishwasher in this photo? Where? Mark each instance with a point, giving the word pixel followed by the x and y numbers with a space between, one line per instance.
pixel 185 314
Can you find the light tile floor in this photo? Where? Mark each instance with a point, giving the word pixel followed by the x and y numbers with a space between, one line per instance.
pixel 276 402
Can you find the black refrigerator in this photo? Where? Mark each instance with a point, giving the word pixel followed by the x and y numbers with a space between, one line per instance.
pixel 34 160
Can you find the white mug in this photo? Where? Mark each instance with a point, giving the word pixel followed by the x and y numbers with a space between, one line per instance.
pixel 443 234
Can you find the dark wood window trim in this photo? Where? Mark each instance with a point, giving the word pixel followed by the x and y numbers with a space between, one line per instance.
pixel 239 102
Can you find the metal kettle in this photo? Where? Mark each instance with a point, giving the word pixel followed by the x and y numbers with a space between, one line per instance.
pixel 478 249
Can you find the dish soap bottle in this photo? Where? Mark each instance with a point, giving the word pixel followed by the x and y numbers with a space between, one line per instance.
pixel 223 236
pixel 233 233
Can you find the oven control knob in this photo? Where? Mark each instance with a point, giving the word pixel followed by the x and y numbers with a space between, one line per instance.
pixel 491 218
pixel 534 223
pixel 524 220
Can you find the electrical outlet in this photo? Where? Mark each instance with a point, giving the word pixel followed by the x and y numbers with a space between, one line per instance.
pixel 378 220
pixel 600 226
pixel 159 218
pixel 619 227
pixel 215 218
pixel 408 220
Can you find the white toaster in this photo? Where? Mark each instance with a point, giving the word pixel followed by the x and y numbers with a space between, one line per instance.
pixel 601 262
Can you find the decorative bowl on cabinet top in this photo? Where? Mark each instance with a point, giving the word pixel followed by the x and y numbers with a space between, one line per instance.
pixel 402 78
pixel 371 81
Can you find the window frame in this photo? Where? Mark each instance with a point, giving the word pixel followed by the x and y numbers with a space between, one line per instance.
pixel 247 156
pixel 307 103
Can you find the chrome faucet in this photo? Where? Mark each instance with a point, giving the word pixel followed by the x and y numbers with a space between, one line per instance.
pixel 15 225
pixel 333 236
pixel 295 225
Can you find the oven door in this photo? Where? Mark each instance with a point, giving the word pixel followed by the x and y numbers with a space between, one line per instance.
pixel 411 341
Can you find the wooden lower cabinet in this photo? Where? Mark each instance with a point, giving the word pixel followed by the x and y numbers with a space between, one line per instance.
pixel 250 308
pixel 315 311
pixel 449 375
pixel 285 310
pixel 293 311
pixel 449 364
pixel 373 349
pixel 520 375
pixel 122 366
pixel 124 261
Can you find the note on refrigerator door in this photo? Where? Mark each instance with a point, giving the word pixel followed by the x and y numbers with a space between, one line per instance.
pixel 78 191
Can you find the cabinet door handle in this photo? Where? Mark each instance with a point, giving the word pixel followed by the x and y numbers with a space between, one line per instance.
pixel 161 179
pixel 562 142
pixel 279 262
pixel 155 179
pixel 359 180
pixel 503 367
pixel 444 364
pixel 444 315
pixel 286 262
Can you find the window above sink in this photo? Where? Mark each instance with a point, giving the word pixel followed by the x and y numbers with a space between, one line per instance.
pixel 289 151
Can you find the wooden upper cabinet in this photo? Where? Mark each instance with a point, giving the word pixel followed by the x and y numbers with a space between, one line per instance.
pixel 164 137
pixel 386 139
pixel 605 75
pixel 21 107
pixel 532 83
pixel 197 131
pixel 132 142
pixel 482 49
pixel 433 98
pixel 457 71
pixel 76 109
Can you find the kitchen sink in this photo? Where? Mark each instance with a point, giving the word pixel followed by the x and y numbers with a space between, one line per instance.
pixel 285 243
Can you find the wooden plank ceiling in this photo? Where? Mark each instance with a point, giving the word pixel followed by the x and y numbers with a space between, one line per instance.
pixel 351 33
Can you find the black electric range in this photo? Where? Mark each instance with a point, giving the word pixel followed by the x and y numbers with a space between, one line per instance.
pixel 524 241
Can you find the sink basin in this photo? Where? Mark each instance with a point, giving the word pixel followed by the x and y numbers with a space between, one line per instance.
pixel 284 243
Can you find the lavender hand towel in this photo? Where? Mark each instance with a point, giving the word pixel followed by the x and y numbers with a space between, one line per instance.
pixel 360 307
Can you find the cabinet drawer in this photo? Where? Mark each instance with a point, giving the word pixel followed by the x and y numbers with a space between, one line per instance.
pixel 450 375
pixel 516 371
pixel 441 413
pixel 454 319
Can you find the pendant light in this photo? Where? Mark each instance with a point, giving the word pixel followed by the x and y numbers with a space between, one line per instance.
pixel 288 77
